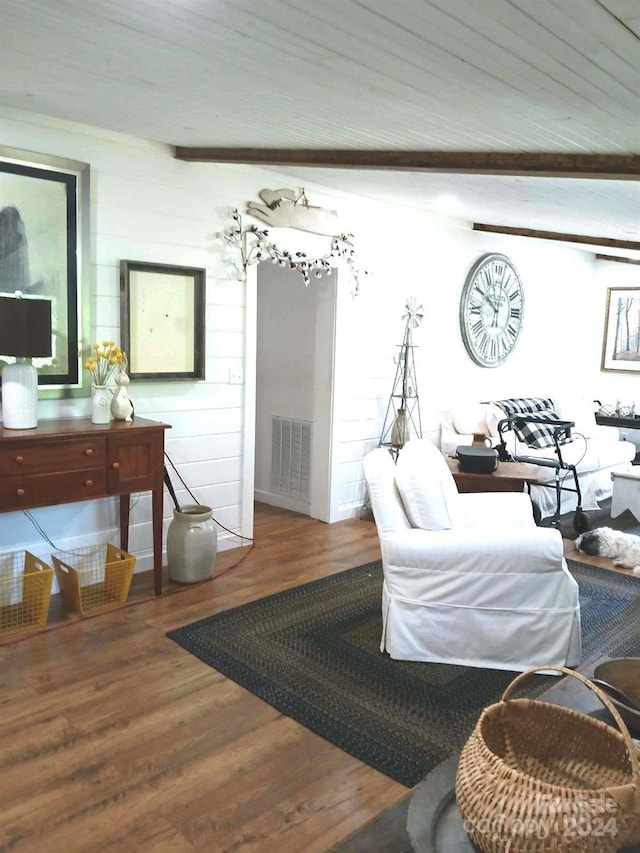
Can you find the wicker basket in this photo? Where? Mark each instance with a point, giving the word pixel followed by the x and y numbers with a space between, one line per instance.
pixel 25 592
pixel 94 577
pixel 536 777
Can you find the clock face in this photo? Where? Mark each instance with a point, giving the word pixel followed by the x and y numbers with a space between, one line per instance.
pixel 491 310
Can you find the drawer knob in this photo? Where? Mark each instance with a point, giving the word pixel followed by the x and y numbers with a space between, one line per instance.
pixel 88 451
pixel 19 459
pixel 88 482
pixel 115 465
pixel 20 493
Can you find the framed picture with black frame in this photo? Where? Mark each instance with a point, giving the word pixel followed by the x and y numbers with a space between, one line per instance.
pixel 44 234
pixel 162 320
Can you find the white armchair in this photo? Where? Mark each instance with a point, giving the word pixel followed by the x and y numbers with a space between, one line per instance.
pixel 468 578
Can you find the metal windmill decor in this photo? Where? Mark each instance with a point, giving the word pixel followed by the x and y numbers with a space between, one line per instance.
pixel 402 419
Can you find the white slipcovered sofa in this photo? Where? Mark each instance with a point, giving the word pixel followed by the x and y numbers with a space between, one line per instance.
pixel 595 450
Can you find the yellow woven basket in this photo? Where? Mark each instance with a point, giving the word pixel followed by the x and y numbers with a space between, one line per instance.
pixel 539 778
pixel 93 577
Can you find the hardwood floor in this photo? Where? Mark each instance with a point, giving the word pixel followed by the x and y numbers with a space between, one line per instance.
pixel 115 739
pixel 112 738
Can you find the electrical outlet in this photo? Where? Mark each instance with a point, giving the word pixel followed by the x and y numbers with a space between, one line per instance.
pixel 235 376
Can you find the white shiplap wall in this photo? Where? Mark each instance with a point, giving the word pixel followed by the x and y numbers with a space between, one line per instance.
pixel 412 254
pixel 146 206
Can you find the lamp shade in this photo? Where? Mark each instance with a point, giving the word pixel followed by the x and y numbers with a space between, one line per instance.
pixel 25 327
pixel 25 332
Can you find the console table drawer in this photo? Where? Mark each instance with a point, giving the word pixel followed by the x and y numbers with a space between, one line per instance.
pixel 48 489
pixel 53 456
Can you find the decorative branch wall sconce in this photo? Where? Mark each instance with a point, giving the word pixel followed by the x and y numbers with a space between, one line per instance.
pixel 253 244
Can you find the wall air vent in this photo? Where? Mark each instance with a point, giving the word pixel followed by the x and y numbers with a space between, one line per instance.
pixel 290 457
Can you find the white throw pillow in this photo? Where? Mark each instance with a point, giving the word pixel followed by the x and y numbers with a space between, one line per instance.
pixel 427 487
pixel 470 419
pixel 493 417
pixel 581 410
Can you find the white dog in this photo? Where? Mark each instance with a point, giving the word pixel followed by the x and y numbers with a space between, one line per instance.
pixel 623 548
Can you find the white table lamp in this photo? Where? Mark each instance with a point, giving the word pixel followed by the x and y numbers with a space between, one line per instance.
pixel 25 333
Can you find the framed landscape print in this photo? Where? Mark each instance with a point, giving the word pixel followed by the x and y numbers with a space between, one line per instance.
pixel 162 314
pixel 621 344
pixel 41 252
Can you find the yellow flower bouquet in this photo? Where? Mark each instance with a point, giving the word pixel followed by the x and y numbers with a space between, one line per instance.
pixel 104 361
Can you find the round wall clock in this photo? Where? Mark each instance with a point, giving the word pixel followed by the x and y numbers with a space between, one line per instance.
pixel 491 310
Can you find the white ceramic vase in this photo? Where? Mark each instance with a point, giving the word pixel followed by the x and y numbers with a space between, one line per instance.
pixel 100 405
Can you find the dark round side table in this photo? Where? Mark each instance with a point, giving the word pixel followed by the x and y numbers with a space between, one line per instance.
pixel 433 821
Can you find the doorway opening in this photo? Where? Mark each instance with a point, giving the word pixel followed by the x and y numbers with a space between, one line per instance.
pixel 295 328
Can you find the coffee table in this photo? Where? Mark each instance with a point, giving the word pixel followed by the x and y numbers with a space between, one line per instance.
pixel 509 477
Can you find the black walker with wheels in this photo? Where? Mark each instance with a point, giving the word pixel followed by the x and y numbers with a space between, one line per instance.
pixel 560 429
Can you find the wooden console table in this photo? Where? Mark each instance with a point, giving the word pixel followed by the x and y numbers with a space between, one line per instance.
pixel 509 477
pixel 71 459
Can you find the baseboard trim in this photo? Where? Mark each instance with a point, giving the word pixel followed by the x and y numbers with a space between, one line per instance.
pixel 352 510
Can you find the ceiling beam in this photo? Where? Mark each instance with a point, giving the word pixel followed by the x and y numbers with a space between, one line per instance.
pixel 558 235
pixel 617 259
pixel 472 162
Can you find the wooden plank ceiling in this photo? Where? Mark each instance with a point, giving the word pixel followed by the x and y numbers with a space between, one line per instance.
pixel 554 77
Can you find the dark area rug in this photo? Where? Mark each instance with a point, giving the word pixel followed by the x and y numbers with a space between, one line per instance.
pixel 313 652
